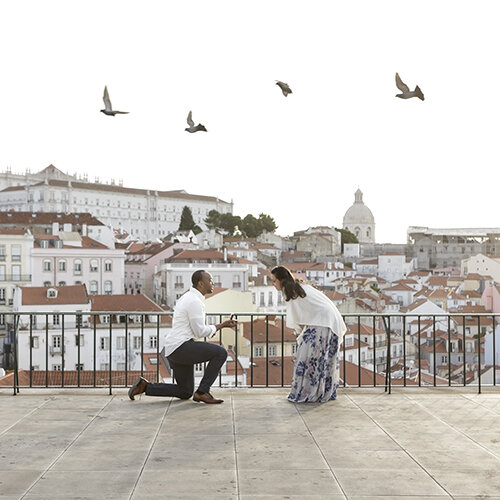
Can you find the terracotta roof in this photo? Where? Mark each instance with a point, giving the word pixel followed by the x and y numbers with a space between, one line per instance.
pixel 44 218
pixel 96 187
pixel 201 256
pixel 37 295
pixel 274 331
pixel 352 375
pixel 71 378
pixel 148 249
pixel 4 230
pixel 274 369
pixel 124 303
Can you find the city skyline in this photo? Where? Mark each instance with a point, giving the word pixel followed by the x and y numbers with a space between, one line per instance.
pixel 298 158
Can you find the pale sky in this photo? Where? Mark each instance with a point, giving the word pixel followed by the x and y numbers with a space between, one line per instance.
pixel 299 159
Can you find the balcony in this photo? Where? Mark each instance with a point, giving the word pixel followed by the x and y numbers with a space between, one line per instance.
pixel 15 277
pixel 412 367
pixel 413 444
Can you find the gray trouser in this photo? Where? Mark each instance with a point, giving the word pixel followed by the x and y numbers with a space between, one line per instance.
pixel 182 362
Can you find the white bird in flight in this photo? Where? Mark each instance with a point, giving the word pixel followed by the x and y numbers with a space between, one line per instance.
pixel 192 128
pixel 407 93
pixel 108 109
pixel 284 88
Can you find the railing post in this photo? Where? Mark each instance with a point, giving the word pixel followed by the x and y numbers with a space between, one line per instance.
pixel 15 348
pixel 479 354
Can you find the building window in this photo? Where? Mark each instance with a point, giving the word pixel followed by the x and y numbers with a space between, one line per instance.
pixel 35 343
pixel 79 340
pixel 79 367
pixel 56 341
pixel 108 266
pixel 270 299
pixel 48 283
pixel 93 287
pixel 94 266
pixel 108 287
pixel 61 283
pixel 152 342
pixel 2 295
pixel 258 352
pixel 104 344
pixel 137 342
pixel 46 265
pixel 2 253
pixel 198 367
pixel 62 265
pixel 56 319
pixel 16 252
pixel 272 350
pixel 120 342
pixel 56 368
pixel 294 349
pixel 104 366
pixel 77 266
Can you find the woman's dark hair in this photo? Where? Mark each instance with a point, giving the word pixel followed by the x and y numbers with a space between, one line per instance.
pixel 290 287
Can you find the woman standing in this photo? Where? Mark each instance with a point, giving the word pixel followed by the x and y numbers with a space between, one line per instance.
pixel 320 329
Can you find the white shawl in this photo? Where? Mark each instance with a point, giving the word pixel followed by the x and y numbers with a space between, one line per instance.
pixel 315 309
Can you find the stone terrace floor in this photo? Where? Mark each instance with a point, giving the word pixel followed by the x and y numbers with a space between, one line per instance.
pixel 415 443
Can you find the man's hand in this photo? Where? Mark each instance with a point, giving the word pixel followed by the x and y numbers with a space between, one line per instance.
pixel 230 323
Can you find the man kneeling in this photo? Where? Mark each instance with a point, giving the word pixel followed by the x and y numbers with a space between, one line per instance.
pixel 183 352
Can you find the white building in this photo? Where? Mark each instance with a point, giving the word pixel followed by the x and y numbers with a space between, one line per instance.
pixel 71 259
pixel 227 272
pixel 143 213
pixel 359 220
pixel 482 264
pixel 77 344
pixel 393 267
pixel 54 222
pixel 15 266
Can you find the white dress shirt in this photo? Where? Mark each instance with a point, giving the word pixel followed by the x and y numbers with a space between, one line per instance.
pixel 188 321
pixel 315 309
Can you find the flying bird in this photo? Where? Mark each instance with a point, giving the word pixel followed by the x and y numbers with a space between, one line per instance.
pixel 108 109
pixel 407 93
pixel 192 129
pixel 284 88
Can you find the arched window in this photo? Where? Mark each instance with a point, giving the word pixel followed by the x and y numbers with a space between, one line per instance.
pixel 93 287
pixel 94 265
pixel 108 287
pixel 108 265
pixel 46 265
pixel 62 265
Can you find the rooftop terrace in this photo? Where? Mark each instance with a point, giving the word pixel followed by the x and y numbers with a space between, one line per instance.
pixel 87 444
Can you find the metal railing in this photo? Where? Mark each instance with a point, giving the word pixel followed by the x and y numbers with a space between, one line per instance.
pixel 120 342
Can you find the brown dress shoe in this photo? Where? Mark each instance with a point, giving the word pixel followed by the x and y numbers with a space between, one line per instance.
pixel 138 388
pixel 206 398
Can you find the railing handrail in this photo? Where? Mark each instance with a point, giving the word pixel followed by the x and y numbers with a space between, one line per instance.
pixel 151 321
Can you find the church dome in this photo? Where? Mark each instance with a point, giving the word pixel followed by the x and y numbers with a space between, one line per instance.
pixel 358 213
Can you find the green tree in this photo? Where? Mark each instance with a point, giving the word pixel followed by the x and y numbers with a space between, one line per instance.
pixel 250 226
pixel 267 223
pixel 346 237
pixel 213 220
pixel 187 222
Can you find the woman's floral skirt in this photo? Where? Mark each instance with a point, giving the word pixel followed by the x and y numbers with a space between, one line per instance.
pixel 316 370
